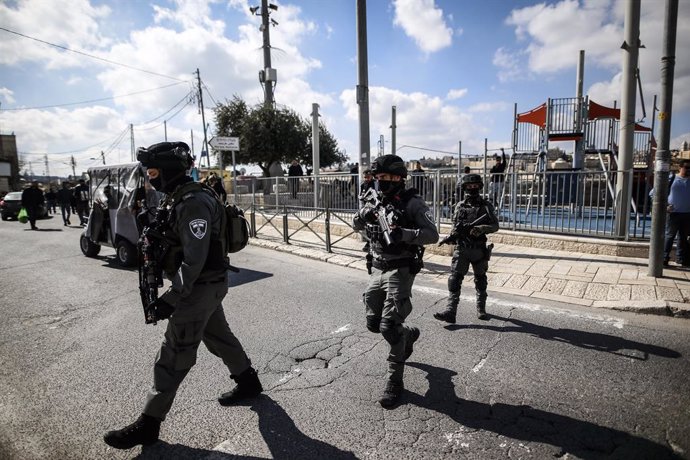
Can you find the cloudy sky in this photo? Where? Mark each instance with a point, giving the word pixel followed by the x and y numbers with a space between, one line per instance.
pixel 453 68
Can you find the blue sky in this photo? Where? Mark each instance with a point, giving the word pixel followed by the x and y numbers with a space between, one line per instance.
pixel 453 68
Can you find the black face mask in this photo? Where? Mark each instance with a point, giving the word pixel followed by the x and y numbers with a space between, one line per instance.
pixel 389 187
pixel 157 183
pixel 472 192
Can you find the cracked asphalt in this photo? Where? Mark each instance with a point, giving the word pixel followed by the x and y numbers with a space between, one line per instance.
pixel 538 380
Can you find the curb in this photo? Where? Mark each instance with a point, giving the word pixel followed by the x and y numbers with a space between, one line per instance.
pixel 650 307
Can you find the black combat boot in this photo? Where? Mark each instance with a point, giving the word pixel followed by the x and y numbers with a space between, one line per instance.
pixel 248 386
pixel 481 306
pixel 391 394
pixel 144 431
pixel 411 339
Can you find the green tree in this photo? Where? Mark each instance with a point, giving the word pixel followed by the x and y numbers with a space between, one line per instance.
pixel 268 134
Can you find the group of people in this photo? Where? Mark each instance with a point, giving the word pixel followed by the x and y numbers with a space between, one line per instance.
pixel 70 199
pixel 198 274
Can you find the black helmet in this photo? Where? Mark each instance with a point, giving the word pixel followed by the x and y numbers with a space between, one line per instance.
pixel 166 155
pixel 472 179
pixel 389 164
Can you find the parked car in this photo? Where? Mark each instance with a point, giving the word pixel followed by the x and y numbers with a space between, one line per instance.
pixel 11 203
pixel 116 193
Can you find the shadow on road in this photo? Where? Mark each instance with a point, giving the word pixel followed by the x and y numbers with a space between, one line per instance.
pixel 521 422
pixel 245 276
pixel 583 339
pixel 283 438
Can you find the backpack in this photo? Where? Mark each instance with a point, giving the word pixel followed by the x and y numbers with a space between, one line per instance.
pixel 233 223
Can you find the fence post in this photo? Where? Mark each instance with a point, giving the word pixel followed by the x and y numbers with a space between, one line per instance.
pixel 252 221
pixel 513 197
pixel 328 229
pixel 286 237
pixel 277 194
pixel 437 214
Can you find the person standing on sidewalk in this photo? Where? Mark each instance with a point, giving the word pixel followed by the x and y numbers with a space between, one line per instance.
pixel 396 258
pixel 469 236
pixel 81 195
pixel 32 198
pixel 679 216
pixel 197 267
pixel 64 199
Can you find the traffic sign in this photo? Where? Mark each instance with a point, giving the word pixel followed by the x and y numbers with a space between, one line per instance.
pixel 225 143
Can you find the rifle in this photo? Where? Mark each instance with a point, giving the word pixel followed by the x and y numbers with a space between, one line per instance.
pixel 151 248
pixel 370 198
pixel 461 231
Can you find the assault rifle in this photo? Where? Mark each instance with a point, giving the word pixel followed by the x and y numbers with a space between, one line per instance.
pixel 151 248
pixel 461 231
pixel 370 198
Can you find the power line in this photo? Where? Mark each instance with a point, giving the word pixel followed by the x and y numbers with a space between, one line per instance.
pixel 90 55
pixel 186 96
pixel 77 150
pixel 208 91
pixel 94 100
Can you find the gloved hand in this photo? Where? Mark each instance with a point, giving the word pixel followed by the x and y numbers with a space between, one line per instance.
pixel 396 235
pixel 161 309
pixel 368 215
pixel 450 239
pixel 476 231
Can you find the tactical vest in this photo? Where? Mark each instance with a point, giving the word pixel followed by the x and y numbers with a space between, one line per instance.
pixel 467 213
pixel 396 212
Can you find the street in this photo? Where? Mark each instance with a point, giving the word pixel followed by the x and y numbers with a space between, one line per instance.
pixel 538 380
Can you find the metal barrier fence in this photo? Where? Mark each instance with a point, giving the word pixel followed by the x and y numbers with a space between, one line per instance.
pixel 569 202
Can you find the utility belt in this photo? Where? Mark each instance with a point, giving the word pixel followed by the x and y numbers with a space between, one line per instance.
pixel 472 245
pixel 386 265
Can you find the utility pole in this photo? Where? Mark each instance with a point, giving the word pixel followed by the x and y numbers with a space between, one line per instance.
pixel 45 157
pixel 191 138
pixel 315 152
pixel 165 129
pixel 663 154
pixel 268 77
pixel 363 87
pixel 631 48
pixel 131 137
pixel 459 159
pixel 73 163
pixel 393 126
pixel 103 156
pixel 203 120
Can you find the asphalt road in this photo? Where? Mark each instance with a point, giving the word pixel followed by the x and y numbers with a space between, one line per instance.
pixel 536 381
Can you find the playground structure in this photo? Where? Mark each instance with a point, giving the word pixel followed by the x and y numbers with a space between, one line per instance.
pixel 580 190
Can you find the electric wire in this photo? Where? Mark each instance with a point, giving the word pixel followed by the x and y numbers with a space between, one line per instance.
pixel 92 100
pixel 90 55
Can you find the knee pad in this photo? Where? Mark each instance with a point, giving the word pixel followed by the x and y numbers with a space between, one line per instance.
pixel 391 331
pixel 480 282
pixel 373 324
pixel 454 282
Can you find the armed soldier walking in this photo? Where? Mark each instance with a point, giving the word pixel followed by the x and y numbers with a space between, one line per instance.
pixel 190 219
pixel 397 227
pixel 472 220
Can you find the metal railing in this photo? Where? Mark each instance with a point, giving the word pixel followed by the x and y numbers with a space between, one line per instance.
pixel 569 202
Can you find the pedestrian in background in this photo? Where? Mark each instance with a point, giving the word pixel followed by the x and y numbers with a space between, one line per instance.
pixel 81 196
pixel 294 173
pixel 471 247
pixel 32 199
pixel 497 177
pixel 678 222
pixel 193 305
pixel 64 199
pixel 217 185
pixel 51 198
pixel 394 260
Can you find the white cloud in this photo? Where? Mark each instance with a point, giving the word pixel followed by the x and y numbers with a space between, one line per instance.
pixel 7 95
pixel 422 120
pixel 69 23
pixel 456 93
pixel 488 107
pixel 423 22
pixel 508 64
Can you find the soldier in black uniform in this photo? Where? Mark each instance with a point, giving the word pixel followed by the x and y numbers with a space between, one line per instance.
pixel 394 264
pixel 472 220
pixel 197 265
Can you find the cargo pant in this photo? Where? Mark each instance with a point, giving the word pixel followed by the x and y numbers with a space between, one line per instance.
pixel 199 318
pixel 462 259
pixel 387 302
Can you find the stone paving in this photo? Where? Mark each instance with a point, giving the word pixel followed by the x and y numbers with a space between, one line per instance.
pixel 591 280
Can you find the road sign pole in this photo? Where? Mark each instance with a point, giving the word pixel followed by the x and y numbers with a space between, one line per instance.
pixel 234 178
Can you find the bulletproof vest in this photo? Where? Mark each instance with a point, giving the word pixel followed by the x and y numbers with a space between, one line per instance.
pixel 396 213
pixel 469 212
pixel 215 260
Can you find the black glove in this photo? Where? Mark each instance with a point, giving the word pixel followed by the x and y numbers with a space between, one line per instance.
pixel 368 215
pixel 396 235
pixel 161 309
pixel 450 239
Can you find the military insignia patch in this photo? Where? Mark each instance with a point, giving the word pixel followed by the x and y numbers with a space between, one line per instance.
pixel 198 228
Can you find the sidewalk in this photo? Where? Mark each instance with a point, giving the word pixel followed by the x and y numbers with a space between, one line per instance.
pixel 591 280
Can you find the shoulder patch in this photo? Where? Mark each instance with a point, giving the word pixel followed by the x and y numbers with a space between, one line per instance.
pixel 198 228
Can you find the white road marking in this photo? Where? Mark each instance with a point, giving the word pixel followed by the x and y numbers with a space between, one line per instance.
pixel 479 365
pixel 610 320
pixel 341 329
